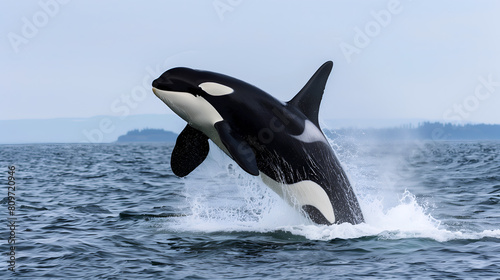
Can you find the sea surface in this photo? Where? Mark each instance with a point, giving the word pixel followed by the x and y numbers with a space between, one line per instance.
pixel 116 211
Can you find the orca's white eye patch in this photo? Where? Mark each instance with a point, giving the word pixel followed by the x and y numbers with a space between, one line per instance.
pixel 215 89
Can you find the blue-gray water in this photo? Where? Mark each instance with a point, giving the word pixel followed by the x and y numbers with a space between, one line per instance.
pixel 116 211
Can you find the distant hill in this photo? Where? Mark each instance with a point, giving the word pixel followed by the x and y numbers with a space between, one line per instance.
pixel 425 131
pixel 97 129
pixel 148 135
pixel 106 129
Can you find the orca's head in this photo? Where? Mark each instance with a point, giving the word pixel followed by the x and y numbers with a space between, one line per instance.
pixel 178 80
pixel 185 91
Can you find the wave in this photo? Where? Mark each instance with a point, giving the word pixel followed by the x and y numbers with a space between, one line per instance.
pixel 223 198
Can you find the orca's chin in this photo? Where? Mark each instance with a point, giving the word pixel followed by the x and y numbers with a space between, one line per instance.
pixel 168 97
pixel 156 91
pixel 159 91
pixel 159 94
pixel 164 95
pixel 194 109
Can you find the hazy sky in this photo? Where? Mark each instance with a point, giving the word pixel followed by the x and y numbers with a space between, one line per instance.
pixel 436 60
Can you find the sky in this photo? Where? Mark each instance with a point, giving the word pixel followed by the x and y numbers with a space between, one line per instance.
pixel 431 60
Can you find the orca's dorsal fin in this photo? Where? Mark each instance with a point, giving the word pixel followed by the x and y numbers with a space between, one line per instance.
pixel 309 97
pixel 191 149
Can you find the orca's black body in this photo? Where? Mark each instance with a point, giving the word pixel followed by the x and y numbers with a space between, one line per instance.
pixel 280 141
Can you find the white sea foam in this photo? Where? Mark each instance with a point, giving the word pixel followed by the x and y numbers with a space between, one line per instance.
pixel 223 198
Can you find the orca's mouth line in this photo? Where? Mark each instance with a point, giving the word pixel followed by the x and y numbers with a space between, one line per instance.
pixel 163 94
pixel 158 92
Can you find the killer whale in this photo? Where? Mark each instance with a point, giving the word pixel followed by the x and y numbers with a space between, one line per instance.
pixel 280 141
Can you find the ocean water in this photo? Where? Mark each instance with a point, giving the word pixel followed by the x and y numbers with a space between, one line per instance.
pixel 116 211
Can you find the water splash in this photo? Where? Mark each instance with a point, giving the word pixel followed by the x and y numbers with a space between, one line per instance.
pixel 221 197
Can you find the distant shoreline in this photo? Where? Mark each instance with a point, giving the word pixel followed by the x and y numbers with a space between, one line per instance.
pixel 148 135
pixel 432 131
pixel 425 131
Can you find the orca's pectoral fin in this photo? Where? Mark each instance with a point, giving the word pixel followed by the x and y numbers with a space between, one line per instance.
pixel 191 149
pixel 238 148
pixel 309 97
